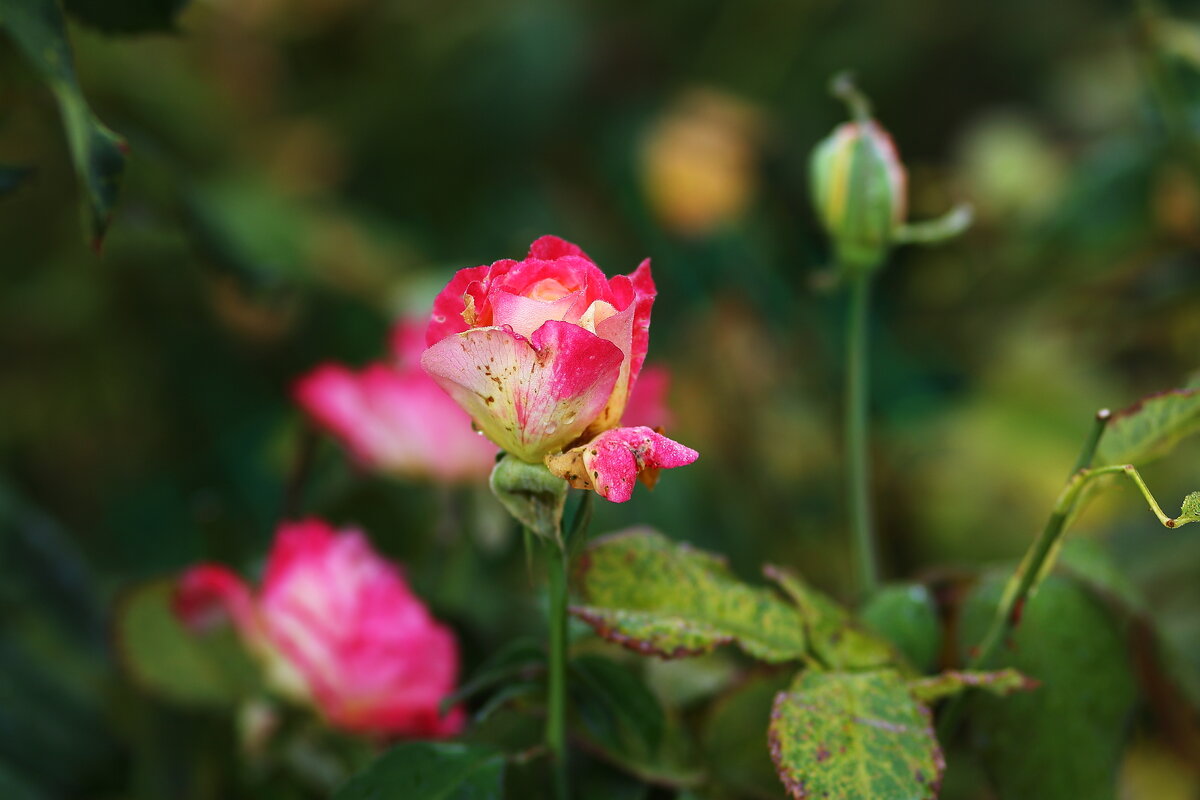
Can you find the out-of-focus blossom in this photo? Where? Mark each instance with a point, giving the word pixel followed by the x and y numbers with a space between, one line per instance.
pixel 698 161
pixel 336 626
pixel 647 403
pixel 394 418
pixel 542 353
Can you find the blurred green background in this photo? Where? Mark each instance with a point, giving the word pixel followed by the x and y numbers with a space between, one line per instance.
pixel 302 172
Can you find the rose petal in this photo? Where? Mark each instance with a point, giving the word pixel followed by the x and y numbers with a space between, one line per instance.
pixel 610 463
pixel 530 396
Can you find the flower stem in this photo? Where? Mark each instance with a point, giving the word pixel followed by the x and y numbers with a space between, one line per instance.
pixel 556 717
pixel 858 469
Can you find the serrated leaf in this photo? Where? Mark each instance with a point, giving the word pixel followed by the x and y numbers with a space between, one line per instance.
pixel 1000 682
pixel 664 598
pixel 40 32
pixel 429 771
pixel 165 658
pixel 736 753
pixel 832 632
pixel 1149 428
pixel 851 735
pixel 1064 741
pixel 126 16
pixel 906 615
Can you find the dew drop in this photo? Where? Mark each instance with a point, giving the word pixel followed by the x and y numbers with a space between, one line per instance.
pixel 439 318
pixel 551 428
pixel 569 419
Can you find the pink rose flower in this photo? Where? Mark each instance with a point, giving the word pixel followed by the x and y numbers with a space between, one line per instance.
pixel 335 625
pixel 543 353
pixel 393 418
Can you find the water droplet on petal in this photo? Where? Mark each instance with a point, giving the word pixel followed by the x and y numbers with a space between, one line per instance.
pixel 569 419
pixel 551 428
pixel 439 318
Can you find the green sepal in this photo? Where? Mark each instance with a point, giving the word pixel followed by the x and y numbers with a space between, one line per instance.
pixel 531 494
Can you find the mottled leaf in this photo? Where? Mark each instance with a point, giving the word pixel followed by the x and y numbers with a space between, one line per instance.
pixel 429 771
pixel 1000 682
pixel 1150 428
pixel 126 16
pixel 163 657
pixel 906 615
pixel 847 736
pixel 40 32
pixel 834 636
pixel 664 598
pixel 1063 741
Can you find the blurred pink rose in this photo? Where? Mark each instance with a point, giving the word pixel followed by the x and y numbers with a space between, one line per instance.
pixel 394 418
pixel 647 405
pixel 337 626
pixel 542 353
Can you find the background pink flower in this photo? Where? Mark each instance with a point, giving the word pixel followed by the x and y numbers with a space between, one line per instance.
pixel 336 625
pixel 394 418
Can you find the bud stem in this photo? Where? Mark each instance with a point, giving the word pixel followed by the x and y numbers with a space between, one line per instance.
pixel 856 422
pixel 842 86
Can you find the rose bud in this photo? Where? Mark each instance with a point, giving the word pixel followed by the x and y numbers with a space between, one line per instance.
pixel 859 188
pixel 394 419
pixel 543 353
pixel 335 626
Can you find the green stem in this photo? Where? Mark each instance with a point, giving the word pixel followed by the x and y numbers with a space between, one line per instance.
pixel 556 717
pixel 1036 561
pixel 857 465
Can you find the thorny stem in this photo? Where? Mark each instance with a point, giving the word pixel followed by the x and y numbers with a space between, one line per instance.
pixel 1035 563
pixel 857 465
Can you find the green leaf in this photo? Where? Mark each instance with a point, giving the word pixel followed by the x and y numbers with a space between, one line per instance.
pixel 905 615
pixel 40 32
pixel 832 633
pixel 516 658
pixel 845 736
pixel 1001 682
pixel 624 706
pixel 161 655
pixel 429 771
pixel 1149 428
pixel 733 745
pixel 1063 741
pixel 126 16
pixel 659 597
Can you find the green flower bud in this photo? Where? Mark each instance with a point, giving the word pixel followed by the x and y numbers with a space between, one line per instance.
pixel 859 190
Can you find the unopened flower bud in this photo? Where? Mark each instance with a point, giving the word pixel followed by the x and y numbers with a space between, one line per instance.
pixel 859 187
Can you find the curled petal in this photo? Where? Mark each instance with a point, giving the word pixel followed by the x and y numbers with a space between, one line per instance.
pixel 530 396
pixel 610 463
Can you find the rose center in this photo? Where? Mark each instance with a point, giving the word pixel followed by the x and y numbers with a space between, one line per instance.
pixel 547 290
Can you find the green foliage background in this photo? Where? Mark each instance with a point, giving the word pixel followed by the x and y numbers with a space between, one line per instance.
pixel 301 172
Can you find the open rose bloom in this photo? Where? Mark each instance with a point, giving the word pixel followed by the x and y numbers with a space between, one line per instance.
pixel 394 419
pixel 544 354
pixel 336 626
